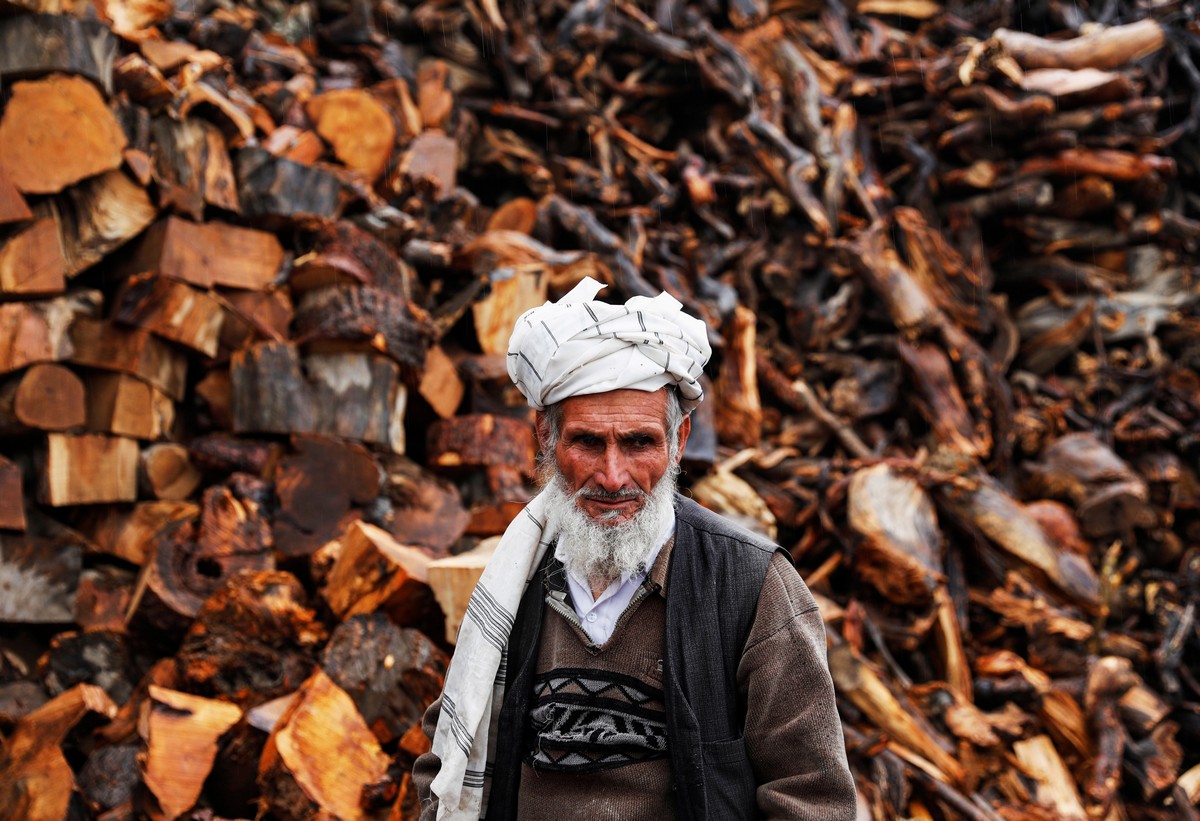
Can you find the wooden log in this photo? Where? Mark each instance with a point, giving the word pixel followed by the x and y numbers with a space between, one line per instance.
pixel 321 756
pixel 215 392
pixel 440 384
pixel 45 397
pixel 180 732
pixel 88 469
pixel 171 309
pixel 219 451
pixel 254 315
pixel 110 778
pixel 41 576
pixel 730 495
pixel 193 166
pixel 36 44
pixel 99 657
pixel 738 407
pixel 274 187
pixel 358 126
pixel 37 154
pixel 132 351
pixel 269 391
pixel 123 405
pixel 372 318
pixel 207 254
pixel 951 649
pixel 102 598
pixel 12 205
pixel 481 440
pixel 425 510
pixel 97 216
pixel 36 782
pixel 12 496
pixel 900 550
pixel 375 572
pixel 32 332
pixel 130 533
pixel 431 161
pixel 32 261
pixel 1056 787
pixel 1108 48
pixel 514 290
pixel 393 674
pixel 252 640
pixel 453 578
pixel 166 472
pixel 20 698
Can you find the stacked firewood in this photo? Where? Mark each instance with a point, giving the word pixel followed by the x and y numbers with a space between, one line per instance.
pixel 258 264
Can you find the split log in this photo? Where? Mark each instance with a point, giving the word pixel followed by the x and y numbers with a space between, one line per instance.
pixel 223 452
pixel 441 385
pixel 126 406
pixel 98 657
pixel 45 397
pixel 197 557
pixel 207 254
pixel 252 640
pixel 1111 47
pixel 373 572
pixel 730 495
pixel 452 580
pixel 270 186
pixel 181 733
pixel 432 161
pixel 514 290
pixel 40 577
pixel 482 440
pixel 32 261
pixel 132 351
pixel 321 756
pixel 102 598
pixel 172 310
pixel 37 154
pixel 130 534
pixel 352 395
pixel 36 44
pixel 97 216
pixel 166 472
pixel 254 315
pixel 12 205
pixel 12 496
pixel 424 510
pixel 318 486
pixel 359 128
pixel 193 166
pixel 737 404
pixel 371 318
pixel 32 332
pixel 900 548
pixel 36 782
pixel 392 674
pixel 1055 786
pixel 89 468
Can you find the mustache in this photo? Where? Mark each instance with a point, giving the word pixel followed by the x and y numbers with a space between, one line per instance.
pixel 601 495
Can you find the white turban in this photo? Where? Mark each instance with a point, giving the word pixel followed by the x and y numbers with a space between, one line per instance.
pixel 578 346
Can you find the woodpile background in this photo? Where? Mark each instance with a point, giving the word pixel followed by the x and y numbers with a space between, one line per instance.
pixel 258 262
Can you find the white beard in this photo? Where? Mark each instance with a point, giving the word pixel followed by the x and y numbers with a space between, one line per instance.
pixel 602 552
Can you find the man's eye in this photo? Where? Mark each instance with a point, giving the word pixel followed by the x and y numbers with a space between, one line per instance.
pixel 640 441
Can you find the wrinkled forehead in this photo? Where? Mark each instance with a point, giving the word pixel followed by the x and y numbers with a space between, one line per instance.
pixel 623 409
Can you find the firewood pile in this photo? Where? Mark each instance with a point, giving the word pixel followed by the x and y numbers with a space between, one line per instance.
pixel 258 263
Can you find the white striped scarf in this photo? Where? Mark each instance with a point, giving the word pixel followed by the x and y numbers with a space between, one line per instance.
pixel 465 740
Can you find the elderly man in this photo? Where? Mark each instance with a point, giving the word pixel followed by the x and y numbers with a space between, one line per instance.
pixel 628 654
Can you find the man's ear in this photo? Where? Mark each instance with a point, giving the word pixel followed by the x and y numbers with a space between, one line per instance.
pixel 685 427
pixel 543 431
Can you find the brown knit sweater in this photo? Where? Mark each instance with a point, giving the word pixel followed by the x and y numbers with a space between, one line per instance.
pixel 594 740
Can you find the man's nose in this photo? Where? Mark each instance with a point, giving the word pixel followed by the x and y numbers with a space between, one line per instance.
pixel 612 473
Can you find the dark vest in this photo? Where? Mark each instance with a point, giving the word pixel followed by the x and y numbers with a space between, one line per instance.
pixel 717 570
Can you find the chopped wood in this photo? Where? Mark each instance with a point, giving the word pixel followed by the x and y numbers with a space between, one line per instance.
pixel 36 782
pixel 97 216
pixel 180 732
pixel 275 187
pixel 104 345
pixel 733 497
pixel 425 510
pixel 166 472
pixel 38 577
pixel 130 534
pixel 375 572
pixel 481 440
pixel 432 160
pixel 172 310
pixel 254 315
pixel 736 399
pixel 102 598
pixel 513 292
pixel 453 578
pixel 12 496
pixel 208 254
pixel 321 756
pixel 32 261
pixel 32 332
pixel 441 386
pixel 44 397
pixel 124 405
pixel 1112 47
pixel 37 154
pixel 359 128
pixel 193 165
pixel 1055 786
pixel 59 38
pixel 89 468
pixel 13 207
pixel 318 485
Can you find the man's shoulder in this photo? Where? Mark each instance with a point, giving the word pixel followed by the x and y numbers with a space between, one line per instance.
pixel 703 520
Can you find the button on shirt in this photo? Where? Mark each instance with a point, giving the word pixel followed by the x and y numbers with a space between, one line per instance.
pixel 599 617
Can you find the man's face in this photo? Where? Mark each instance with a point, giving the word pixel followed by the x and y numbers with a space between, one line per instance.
pixel 613 447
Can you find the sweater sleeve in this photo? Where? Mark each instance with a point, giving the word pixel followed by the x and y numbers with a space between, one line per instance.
pixel 793 733
pixel 426 767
